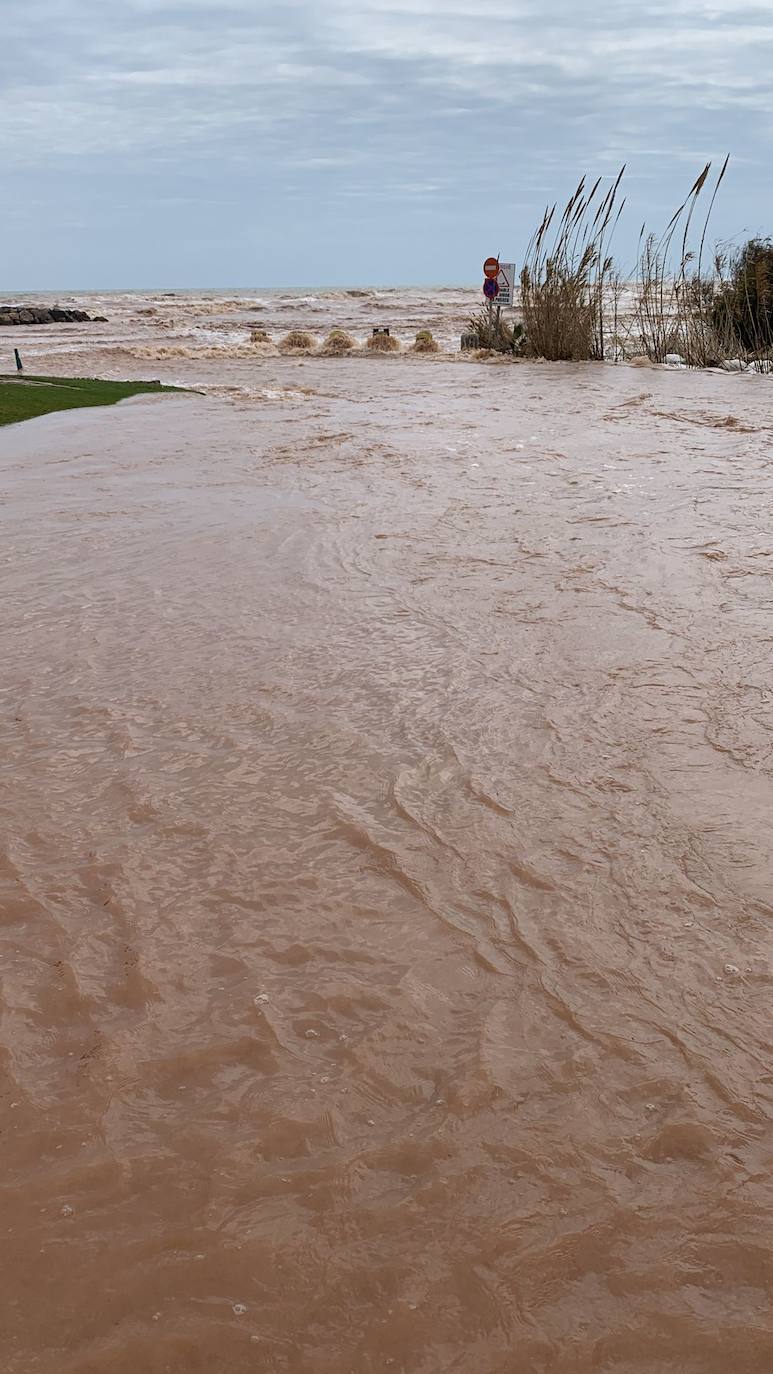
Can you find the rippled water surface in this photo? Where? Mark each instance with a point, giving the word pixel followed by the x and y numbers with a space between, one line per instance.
pixel 386 867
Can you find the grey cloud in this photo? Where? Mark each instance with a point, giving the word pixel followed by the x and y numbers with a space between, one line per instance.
pixel 404 108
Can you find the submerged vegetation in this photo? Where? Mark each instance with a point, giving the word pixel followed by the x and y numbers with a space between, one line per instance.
pixel 425 343
pixel 297 341
pixel 24 397
pixel 382 343
pixel 337 344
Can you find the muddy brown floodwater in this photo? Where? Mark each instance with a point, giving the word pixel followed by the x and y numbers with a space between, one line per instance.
pixel 387 886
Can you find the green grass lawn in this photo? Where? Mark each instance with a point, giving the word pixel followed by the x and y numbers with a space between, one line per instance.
pixel 25 397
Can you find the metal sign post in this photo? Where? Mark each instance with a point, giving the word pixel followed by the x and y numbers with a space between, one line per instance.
pixel 499 287
pixel 491 291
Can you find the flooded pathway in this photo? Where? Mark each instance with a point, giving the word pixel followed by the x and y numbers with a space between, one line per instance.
pixel 386 876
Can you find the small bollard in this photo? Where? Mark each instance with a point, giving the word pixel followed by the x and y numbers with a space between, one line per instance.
pixel 470 341
pixel 17 355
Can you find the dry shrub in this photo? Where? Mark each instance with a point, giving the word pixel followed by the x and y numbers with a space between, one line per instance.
pixel 297 341
pixel 383 343
pixel 496 335
pixel 337 344
pixel 260 336
pixel 425 342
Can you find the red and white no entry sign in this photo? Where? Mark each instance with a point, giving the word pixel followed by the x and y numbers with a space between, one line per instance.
pixel 491 268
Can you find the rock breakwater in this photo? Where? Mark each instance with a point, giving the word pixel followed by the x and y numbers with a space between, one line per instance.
pixel 37 314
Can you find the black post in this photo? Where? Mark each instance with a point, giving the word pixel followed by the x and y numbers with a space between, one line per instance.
pixel 19 367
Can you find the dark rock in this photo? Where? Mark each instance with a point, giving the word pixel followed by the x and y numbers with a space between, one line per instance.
pixel 38 314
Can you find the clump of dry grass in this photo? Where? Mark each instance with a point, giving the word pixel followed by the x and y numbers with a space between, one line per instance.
pixel 260 336
pixel 382 343
pixel 337 344
pixel 297 341
pixel 425 343
pixel 566 274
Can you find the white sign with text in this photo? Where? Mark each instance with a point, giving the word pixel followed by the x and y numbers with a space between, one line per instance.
pixel 506 281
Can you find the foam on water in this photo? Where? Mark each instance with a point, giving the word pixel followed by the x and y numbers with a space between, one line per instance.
pixel 160 325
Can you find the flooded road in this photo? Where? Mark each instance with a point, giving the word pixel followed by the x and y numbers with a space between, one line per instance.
pixel 387 889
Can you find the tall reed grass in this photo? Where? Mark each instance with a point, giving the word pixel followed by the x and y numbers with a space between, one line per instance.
pixel 703 306
pixel 673 312
pixel 566 275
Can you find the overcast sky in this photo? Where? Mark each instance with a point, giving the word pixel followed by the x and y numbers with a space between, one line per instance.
pixel 326 142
